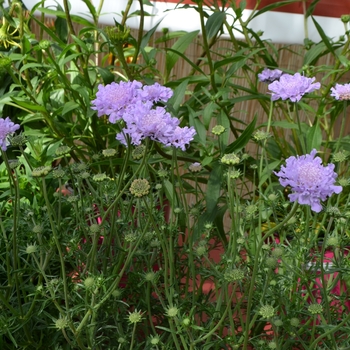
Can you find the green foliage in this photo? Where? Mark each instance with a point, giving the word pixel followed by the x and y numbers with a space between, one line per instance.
pixel 214 256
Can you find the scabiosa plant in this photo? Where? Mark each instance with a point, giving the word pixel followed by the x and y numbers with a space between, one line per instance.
pixel 7 127
pixel 341 92
pixel 311 182
pixel 269 75
pixel 292 87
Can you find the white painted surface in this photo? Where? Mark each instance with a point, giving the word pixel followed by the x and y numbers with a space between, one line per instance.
pixel 279 27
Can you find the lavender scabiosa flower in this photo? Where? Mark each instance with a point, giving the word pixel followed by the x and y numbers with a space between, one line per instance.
pixel 292 87
pixel 156 93
pixel 181 137
pixel 311 182
pixel 142 120
pixel 270 75
pixel 341 92
pixel 113 99
pixel 6 127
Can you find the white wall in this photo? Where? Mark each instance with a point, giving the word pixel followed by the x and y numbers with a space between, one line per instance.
pixel 280 27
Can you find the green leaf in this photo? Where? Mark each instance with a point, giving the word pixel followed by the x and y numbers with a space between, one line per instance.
pixel 198 125
pixel 61 28
pixel 26 46
pixel 314 138
pixel 169 193
pixel 314 53
pixel 225 122
pixel 214 186
pixel 208 113
pixel 91 8
pixel 33 65
pixel 69 59
pixel 324 37
pixel 29 105
pixel 311 8
pixel 69 106
pixel 282 124
pixel 147 36
pixel 80 43
pixel 179 47
pixel 247 98
pixel 169 36
pixel 243 139
pixel 193 79
pixel 106 75
pixel 274 6
pixel 178 96
pixel 214 24
pixel 53 36
pixel 267 171
pixel 147 2
pixel 62 14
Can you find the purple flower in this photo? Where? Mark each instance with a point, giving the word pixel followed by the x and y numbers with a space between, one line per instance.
pixel 341 92
pixel 270 75
pixel 311 182
pixel 114 98
pixel 6 127
pixel 156 92
pixel 182 137
pixel 134 104
pixel 292 87
pixel 142 120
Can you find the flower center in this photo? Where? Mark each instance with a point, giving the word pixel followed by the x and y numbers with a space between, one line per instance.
pixel 308 175
pixel 344 96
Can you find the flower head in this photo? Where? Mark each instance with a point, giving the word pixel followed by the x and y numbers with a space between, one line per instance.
pixel 6 127
pixel 41 171
pixel 267 311
pixel 135 317
pixel 341 92
pixel 270 75
pixel 315 309
pixel 62 150
pixel 218 130
pixel 311 182
pixel 156 92
pixel 230 159
pixel 181 137
pixel 172 311
pixel 140 187
pixel 292 87
pixel 135 105
pixel 113 98
pixel 232 275
pixel 195 167
pixel 109 152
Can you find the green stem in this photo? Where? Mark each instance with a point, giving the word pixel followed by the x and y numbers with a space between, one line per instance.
pixel 255 270
pixel 342 127
pixel 52 219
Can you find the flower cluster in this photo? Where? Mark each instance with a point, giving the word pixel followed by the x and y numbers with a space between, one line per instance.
pixel 292 87
pixel 270 75
pixel 7 127
pixel 311 182
pixel 135 105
